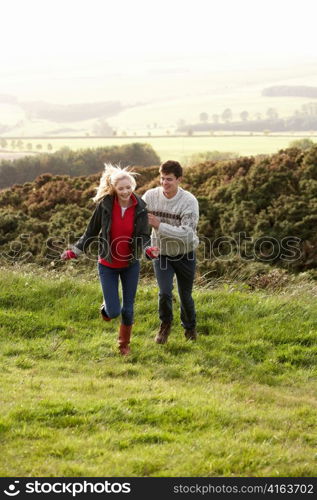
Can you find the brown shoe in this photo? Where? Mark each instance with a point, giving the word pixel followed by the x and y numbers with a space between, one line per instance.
pixel 163 333
pixel 191 334
pixel 124 339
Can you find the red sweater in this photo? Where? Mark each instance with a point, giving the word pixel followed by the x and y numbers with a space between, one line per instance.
pixel 121 233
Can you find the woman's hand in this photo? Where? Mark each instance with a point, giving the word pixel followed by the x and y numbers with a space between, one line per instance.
pixel 68 254
pixel 152 252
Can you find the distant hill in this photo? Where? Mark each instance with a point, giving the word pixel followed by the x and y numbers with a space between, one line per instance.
pixel 295 123
pixel 8 99
pixel 60 113
pixel 41 118
pixel 290 90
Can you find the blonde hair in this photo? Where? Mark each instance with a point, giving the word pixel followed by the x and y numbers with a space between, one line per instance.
pixel 111 176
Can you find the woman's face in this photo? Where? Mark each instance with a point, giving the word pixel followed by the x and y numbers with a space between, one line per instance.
pixel 123 189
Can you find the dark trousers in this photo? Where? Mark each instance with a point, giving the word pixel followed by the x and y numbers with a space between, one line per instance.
pixel 184 268
pixel 109 280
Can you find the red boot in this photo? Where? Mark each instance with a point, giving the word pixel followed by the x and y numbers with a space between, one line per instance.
pixel 124 339
pixel 103 313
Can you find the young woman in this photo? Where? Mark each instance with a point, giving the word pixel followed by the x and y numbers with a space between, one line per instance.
pixel 120 221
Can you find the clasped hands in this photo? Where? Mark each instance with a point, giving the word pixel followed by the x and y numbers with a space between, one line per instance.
pixel 153 221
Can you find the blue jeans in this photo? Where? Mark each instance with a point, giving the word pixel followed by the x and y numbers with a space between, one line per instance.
pixel 109 280
pixel 183 266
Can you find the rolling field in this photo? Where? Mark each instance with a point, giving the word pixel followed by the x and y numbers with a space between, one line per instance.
pixel 179 147
pixel 166 114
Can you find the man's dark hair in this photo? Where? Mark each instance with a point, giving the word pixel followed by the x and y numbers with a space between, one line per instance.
pixel 171 167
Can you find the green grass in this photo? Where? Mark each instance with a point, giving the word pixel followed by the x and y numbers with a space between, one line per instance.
pixel 239 402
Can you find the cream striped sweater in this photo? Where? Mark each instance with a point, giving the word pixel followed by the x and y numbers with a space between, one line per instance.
pixel 179 216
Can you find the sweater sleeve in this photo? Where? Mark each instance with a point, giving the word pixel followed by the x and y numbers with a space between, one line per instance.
pixel 186 231
pixel 146 197
pixel 93 230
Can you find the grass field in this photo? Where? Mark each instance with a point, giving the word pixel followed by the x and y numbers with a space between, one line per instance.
pixel 240 402
pixel 181 147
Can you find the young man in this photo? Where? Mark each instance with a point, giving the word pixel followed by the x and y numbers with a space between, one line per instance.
pixel 173 214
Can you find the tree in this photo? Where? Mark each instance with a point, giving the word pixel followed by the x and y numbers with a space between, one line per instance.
pixel 244 115
pixel 39 146
pixel 203 117
pixel 49 147
pixel 272 114
pixel 3 142
pixel 310 108
pixel 215 118
pixel 207 156
pixel 302 144
pixel 68 162
pixel 101 128
pixel 181 123
pixel 227 115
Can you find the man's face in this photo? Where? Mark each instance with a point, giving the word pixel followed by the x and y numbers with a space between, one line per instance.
pixel 169 184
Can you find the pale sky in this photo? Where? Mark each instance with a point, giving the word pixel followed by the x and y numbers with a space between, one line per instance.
pixel 65 39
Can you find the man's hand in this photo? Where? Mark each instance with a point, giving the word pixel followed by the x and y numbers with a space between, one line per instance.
pixel 153 221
